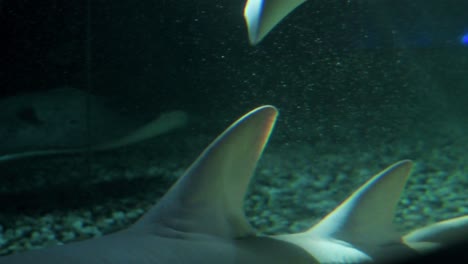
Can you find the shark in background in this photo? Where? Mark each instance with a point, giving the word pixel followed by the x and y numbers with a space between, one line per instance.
pixel 261 16
pixel 68 120
pixel 201 218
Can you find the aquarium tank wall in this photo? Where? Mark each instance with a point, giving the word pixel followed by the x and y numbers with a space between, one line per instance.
pixel 104 105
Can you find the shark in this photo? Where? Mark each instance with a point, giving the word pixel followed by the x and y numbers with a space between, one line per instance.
pixel 68 121
pixel 261 16
pixel 201 218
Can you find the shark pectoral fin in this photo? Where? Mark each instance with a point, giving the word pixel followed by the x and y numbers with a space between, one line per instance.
pixel 164 123
pixel 208 198
pixel 438 234
pixel 261 16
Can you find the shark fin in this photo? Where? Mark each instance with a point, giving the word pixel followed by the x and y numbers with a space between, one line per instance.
pixel 163 124
pixel 209 197
pixel 438 234
pixel 357 230
pixel 368 213
pixel 261 16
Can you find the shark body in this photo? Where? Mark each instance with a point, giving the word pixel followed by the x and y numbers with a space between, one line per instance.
pixel 59 122
pixel 201 218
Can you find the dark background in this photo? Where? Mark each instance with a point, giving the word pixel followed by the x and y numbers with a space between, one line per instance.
pixel 336 69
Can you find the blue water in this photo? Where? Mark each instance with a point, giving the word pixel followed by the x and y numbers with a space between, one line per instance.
pixel 464 39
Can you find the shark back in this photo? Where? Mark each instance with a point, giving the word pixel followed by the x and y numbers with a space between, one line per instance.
pixel 199 220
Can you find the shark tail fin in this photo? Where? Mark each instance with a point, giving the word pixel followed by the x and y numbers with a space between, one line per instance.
pixel 208 198
pixel 261 16
pixel 438 234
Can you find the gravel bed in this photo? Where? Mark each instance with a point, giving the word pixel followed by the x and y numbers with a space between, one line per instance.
pixel 295 185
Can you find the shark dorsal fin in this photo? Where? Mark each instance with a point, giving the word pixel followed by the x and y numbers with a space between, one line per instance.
pixel 209 197
pixel 367 215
